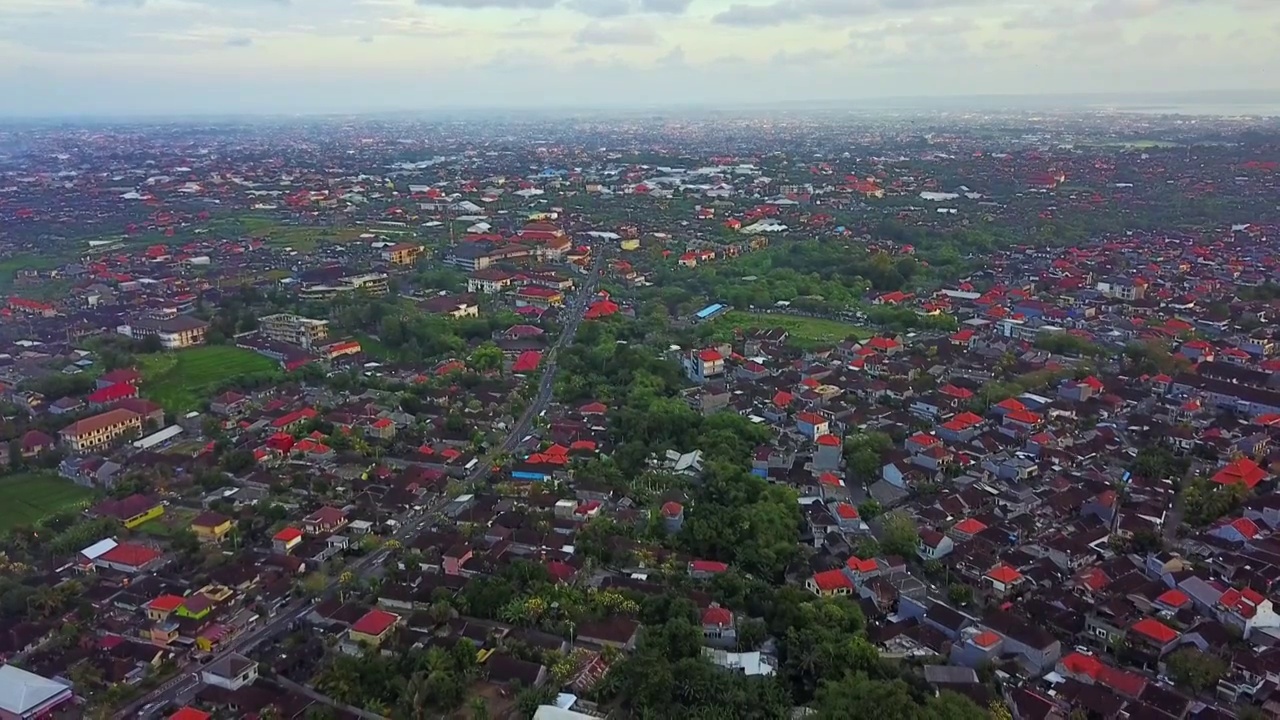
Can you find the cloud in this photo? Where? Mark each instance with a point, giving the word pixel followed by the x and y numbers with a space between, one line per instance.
pixel 778 12
pixel 665 7
pixel 490 4
pixel 615 34
pixel 590 8
pixel 239 41
pixel 602 8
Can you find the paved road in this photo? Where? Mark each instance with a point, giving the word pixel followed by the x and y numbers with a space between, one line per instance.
pixel 188 681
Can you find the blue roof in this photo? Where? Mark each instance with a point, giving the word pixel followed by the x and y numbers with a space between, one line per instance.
pixel 709 310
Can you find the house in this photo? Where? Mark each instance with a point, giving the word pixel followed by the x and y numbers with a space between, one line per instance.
pixel 112 393
pixel 102 430
pixel 933 545
pixel 402 253
pixel 231 672
pixel 131 511
pixel 830 583
pixel 1246 610
pixel 382 429
pixel 672 517
pixel 490 280
pixel 324 521
pixel 618 632
pixel 286 540
pixel 454 306
pixel 34 443
pixel 702 366
pixel 211 527
pixel 182 331
pixel 373 628
pixel 811 425
pixel 25 695
pixel 294 330
pixel 1242 471
pixel 1004 579
pixel 718 629
pixel 130 558
pixel 539 297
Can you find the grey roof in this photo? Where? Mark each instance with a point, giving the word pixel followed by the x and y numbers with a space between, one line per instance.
pixel 950 674
pixel 22 691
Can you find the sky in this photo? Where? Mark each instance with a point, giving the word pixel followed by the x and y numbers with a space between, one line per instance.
pixel 183 57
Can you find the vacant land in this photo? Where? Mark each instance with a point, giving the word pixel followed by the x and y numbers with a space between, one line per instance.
pixel 28 498
pixel 181 381
pixel 804 331
pixel 302 238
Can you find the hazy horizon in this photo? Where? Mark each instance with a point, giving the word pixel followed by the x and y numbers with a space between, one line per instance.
pixel 279 57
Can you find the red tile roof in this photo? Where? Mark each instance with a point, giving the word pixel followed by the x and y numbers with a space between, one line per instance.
pixel 1004 575
pixel 830 580
pixel 1155 630
pixel 131 555
pixel 288 535
pixel 375 622
pixel 1242 471
pixel 166 603
pixel 986 639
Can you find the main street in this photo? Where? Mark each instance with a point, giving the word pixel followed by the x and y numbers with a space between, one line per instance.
pixel 188 681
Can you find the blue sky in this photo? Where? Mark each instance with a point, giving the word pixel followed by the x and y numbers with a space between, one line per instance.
pixel 233 56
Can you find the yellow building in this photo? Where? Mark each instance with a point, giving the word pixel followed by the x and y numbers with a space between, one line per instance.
pixel 631 244
pixel 131 511
pixel 374 627
pixel 211 527
pixel 402 253
pixel 101 430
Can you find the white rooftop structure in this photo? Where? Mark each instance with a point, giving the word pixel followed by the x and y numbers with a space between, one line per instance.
pixel 27 695
pixel 98 549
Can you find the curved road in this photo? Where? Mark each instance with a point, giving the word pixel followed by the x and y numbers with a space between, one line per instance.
pixel 188 681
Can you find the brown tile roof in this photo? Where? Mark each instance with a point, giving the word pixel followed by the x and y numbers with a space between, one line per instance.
pixel 98 422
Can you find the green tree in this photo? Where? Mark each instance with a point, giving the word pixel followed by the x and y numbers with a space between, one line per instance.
pixel 1194 670
pixel 899 535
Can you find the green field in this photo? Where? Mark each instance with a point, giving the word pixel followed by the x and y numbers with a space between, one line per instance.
pixel 181 381
pixel 804 331
pixel 28 498
pixel 297 237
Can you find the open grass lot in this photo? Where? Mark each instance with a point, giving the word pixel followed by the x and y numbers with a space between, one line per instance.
pixel 28 498
pixel 181 381
pixel 298 237
pixel 804 331
pixel 172 522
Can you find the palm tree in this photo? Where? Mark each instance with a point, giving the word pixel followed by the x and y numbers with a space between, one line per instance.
pixel 479 708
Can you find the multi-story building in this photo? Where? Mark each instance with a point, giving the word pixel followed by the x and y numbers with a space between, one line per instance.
pixel 374 284
pixel 294 329
pixel 176 333
pixel 402 253
pixel 480 255
pixel 102 430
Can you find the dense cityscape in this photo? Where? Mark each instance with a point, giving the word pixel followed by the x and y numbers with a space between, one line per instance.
pixel 840 415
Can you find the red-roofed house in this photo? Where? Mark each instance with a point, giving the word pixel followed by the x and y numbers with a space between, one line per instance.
pixel 1004 579
pixel 1238 530
pixel 811 425
pixel 527 362
pixel 374 627
pixel 1246 610
pixel 703 365
pixel 830 583
pixel 286 540
pixel 324 521
pixel 717 627
pixel 672 516
pixel 1172 600
pixel 1242 471
pixel 966 529
pixel 130 558
pixel 190 713
pixel 705 569
pixel 1152 633
pixel 112 393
